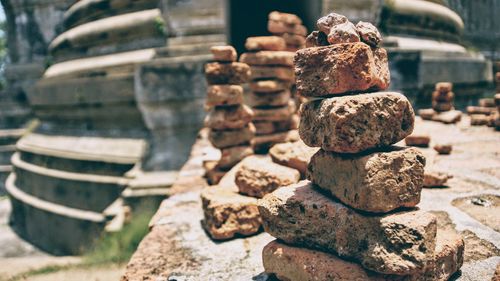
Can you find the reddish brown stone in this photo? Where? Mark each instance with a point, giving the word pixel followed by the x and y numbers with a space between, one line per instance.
pixel 290 19
pixel 255 99
pixel 271 127
pixel 262 143
pixel 233 73
pixel 369 33
pixel 294 40
pixel 268 58
pixel 444 87
pixel 316 39
pixel 273 72
pixel 448 117
pixel 442 106
pixel 436 179
pixel 265 43
pixel 487 102
pixel 351 124
pixel 268 86
pixel 224 53
pixel 341 68
pixel 228 138
pixel 443 148
pixel 418 140
pixel 278 27
pixel 427 114
pixel 293 154
pixel 479 120
pixel 213 173
pixel 480 110
pixel 275 113
pixel 218 95
pixel 443 97
pixel 232 155
pixel 229 117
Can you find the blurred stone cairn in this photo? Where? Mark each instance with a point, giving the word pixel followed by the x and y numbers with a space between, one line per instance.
pixel 442 105
pixel 487 112
pixel 229 120
pixel 290 28
pixel 356 217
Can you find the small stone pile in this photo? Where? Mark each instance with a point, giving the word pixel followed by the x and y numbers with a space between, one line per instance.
pixel 487 113
pixel 270 96
pixel 290 28
pixel 229 120
pixel 355 218
pixel 442 109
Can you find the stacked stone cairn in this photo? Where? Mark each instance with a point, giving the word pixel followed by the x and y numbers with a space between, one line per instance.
pixel 270 96
pixel 290 28
pixel 356 217
pixel 229 120
pixel 442 109
pixel 487 113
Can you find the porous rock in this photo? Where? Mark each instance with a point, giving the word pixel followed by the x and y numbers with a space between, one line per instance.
pixel 316 39
pixel 369 33
pixel 293 154
pixel 218 95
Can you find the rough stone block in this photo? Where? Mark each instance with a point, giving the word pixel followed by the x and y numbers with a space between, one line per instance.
pixel 444 87
pixel 228 213
pixel 436 179
pixel 444 149
pixel 268 58
pixel 271 127
pixel 275 113
pixel 218 95
pixel 400 243
pixel 228 138
pixel 351 124
pixel 269 86
pixel 224 53
pixel 343 33
pixel 257 99
pixel 261 177
pixel 316 39
pixel 377 182
pixel 302 264
pixel 418 140
pixel 273 72
pixel 265 43
pixel 341 68
pixel 231 117
pixel 233 73
pixel 293 154
pixel 232 155
pixel 369 33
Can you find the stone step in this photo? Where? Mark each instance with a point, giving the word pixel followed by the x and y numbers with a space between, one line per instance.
pixel 85 11
pixel 57 229
pixel 92 155
pixel 76 190
pixel 132 31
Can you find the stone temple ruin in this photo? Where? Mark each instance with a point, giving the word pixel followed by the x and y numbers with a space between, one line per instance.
pixel 106 102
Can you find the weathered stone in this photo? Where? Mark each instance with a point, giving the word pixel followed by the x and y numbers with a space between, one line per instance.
pixel 302 264
pixel 418 140
pixel 448 117
pixel 275 113
pixel 377 182
pixel 224 53
pixel 232 155
pixel 341 68
pixel 427 114
pixel 487 102
pixel 442 106
pixel 444 87
pixel 480 110
pixel 287 18
pixel 436 179
pixel 271 127
pixel 443 148
pixel 218 95
pixel 351 124
pixel 326 23
pixel 255 99
pixel 229 117
pixel 228 213
pixel 293 154
pixel 478 120
pixel 443 97
pixel 273 72
pixel 268 58
pixel 400 243
pixel 316 39
pixel 294 40
pixel 369 33
pixel 278 27
pixel 228 138
pixel 233 73
pixel 265 43
pixel 343 33
pixel 261 177
pixel 262 143
pixel 269 86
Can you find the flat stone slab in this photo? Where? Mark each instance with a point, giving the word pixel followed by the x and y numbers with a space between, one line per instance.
pixel 256 99
pixel 341 68
pixel 260 177
pixel 293 154
pixel 232 155
pixel 228 213
pixel 265 43
pixel 378 182
pixel 268 58
pixel 269 86
pixel 400 243
pixel 218 95
pixel 281 113
pixel 224 53
pixel 230 117
pixel 272 72
pixel 351 124
pixel 233 73
pixel 228 138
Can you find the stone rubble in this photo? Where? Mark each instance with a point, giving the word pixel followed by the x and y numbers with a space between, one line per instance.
pixel 229 120
pixel 355 218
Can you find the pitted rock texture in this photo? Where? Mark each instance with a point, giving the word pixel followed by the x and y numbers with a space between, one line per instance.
pixel 229 117
pixel 233 73
pixel 227 213
pixel 268 58
pixel 341 68
pixel 326 23
pixel 369 33
pixel 265 43
pixel 400 243
pixel 275 113
pixel 224 53
pixel 343 33
pixel 316 39
pixel 293 154
pixel 218 95
pixel 302 264
pixel 269 86
pixel 351 124
pixel 256 99
pixel 377 182
pixel 232 155
pixel 228 138
pixel 261 177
